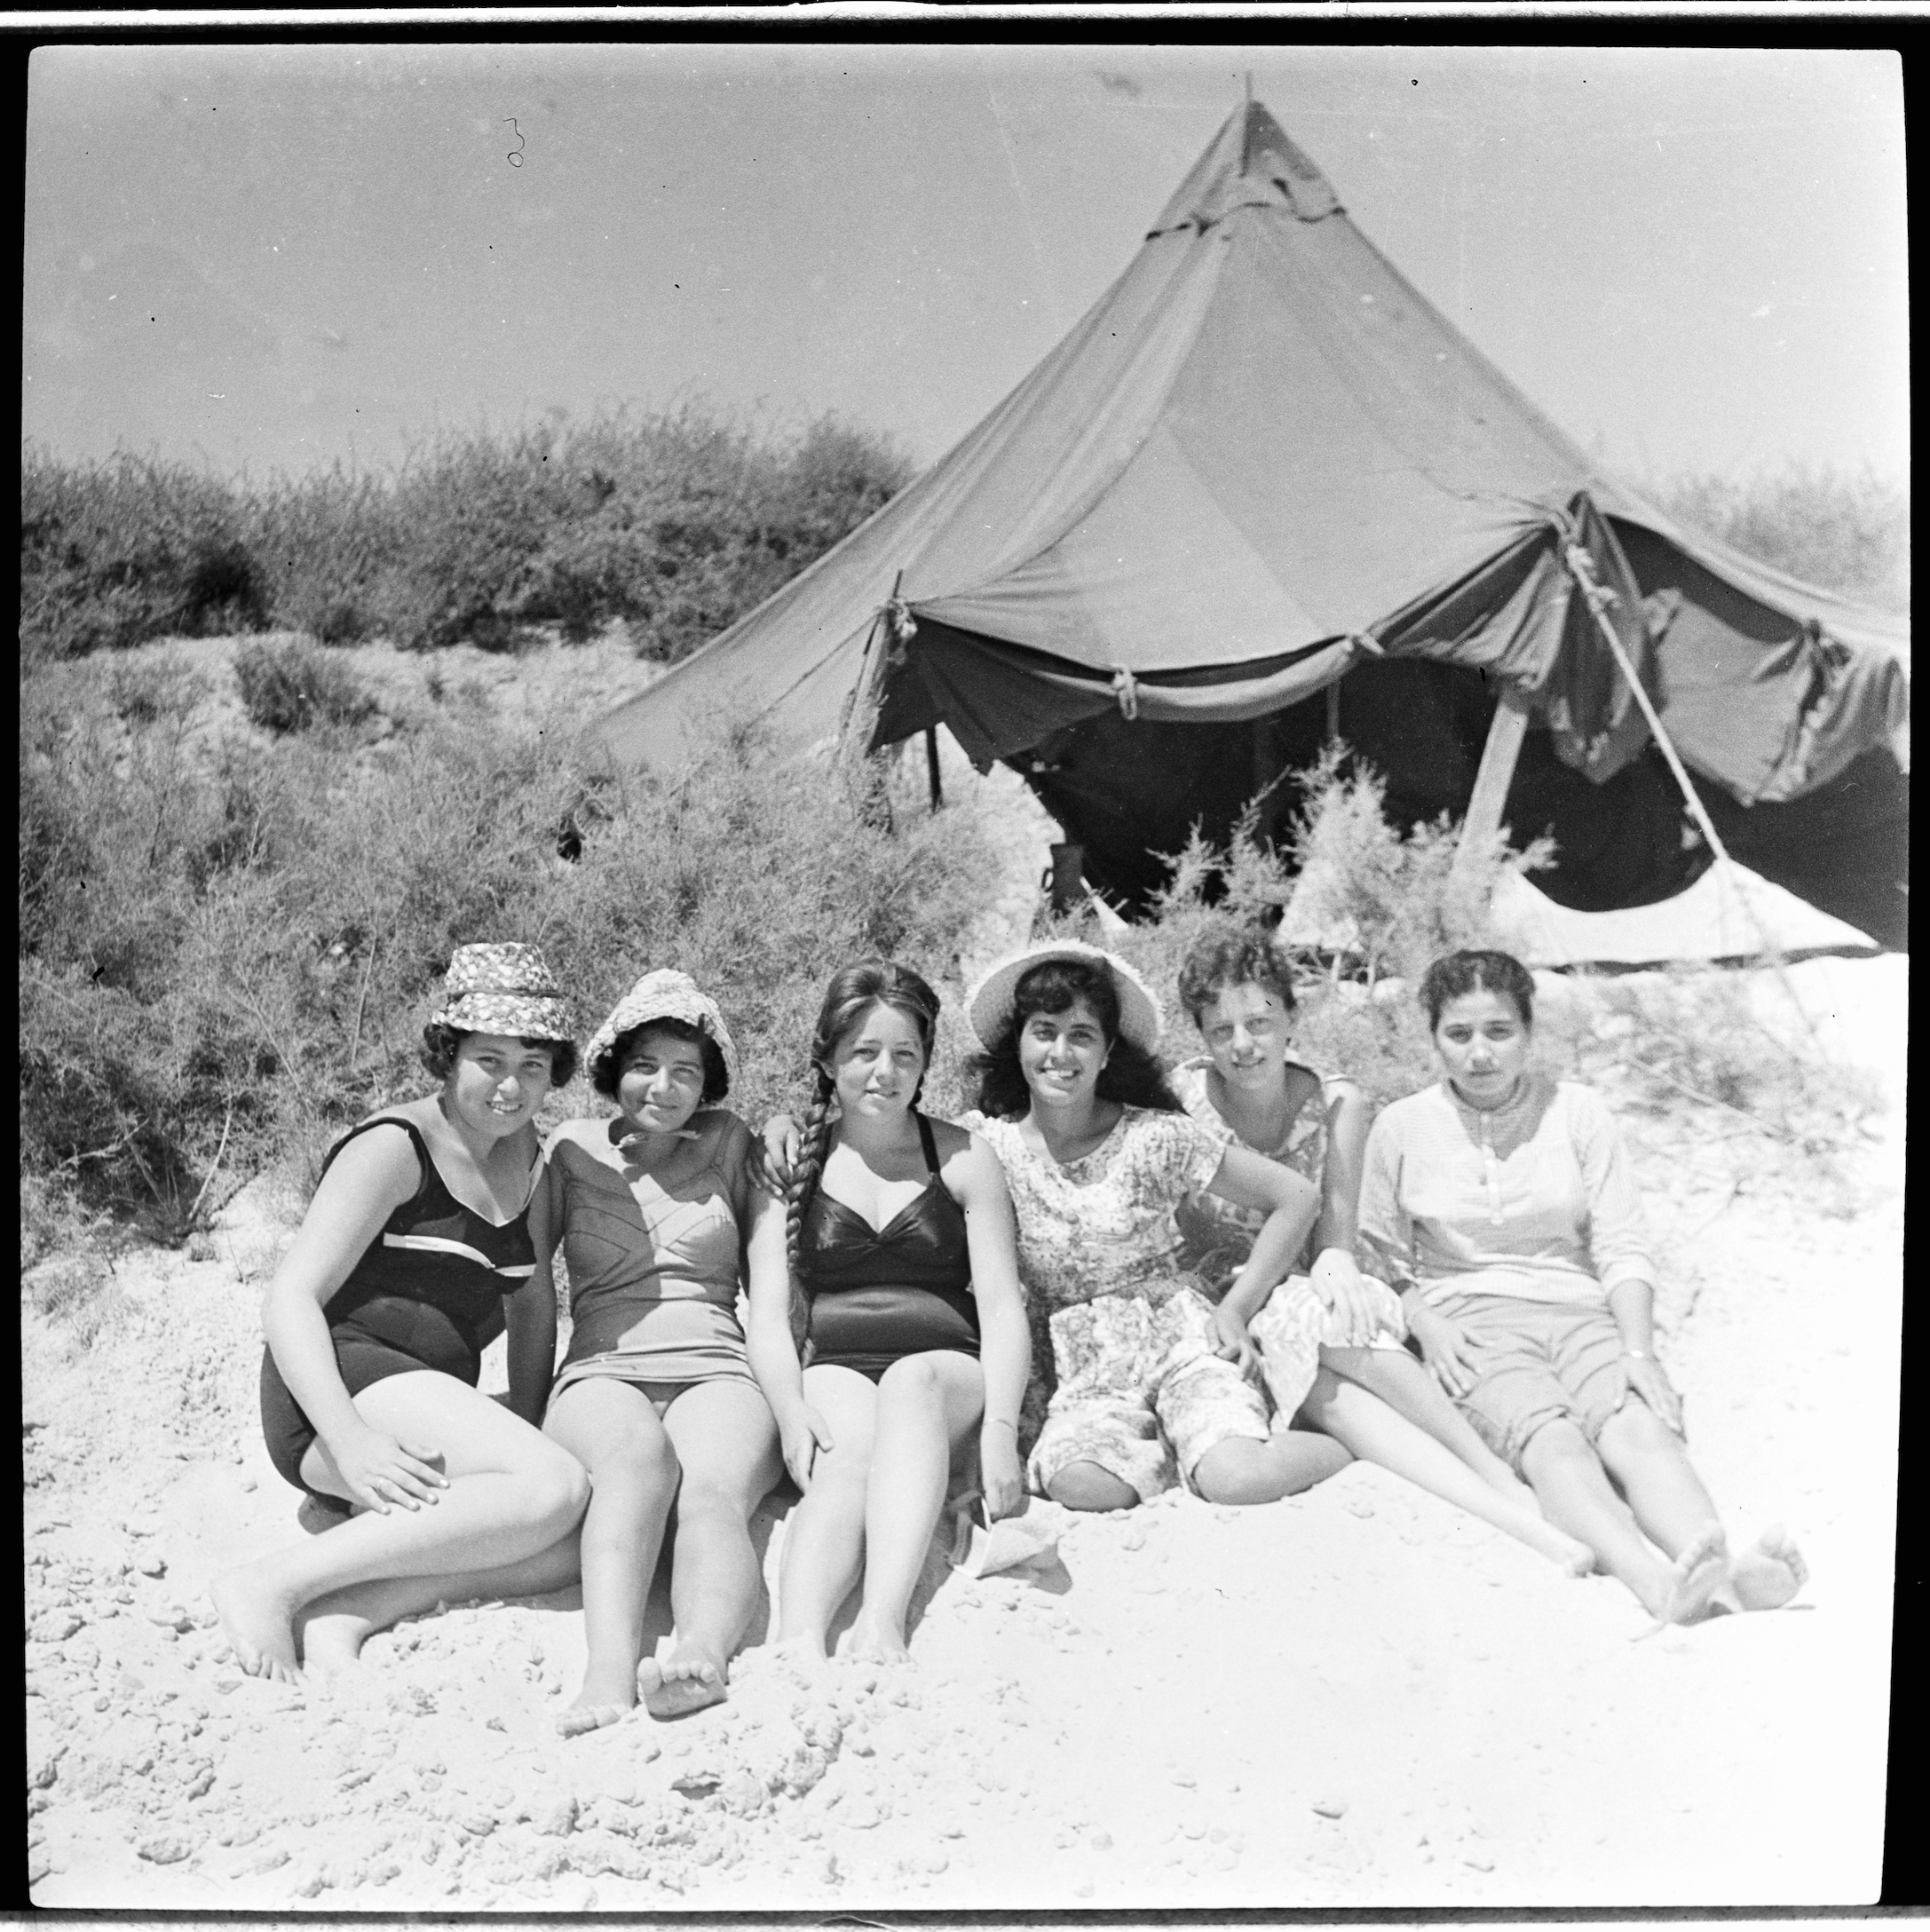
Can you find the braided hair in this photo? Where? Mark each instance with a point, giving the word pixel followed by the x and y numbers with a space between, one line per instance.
pixel 854 990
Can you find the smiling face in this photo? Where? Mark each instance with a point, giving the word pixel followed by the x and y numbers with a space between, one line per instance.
pixel 878 1062
pixel 1245 1028
pixel 659 1081
pixel 1061 1053
pixel 497 1082
pixel 1482 1046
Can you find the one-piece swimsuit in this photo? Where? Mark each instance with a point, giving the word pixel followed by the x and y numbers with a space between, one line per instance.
pixel 878 1295
pixel 427 1293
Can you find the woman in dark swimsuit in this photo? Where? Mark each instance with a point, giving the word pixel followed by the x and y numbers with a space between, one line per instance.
pixel 900 1262
pixel 414 1249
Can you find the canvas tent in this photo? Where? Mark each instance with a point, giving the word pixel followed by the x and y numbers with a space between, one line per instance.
pixel 1263 465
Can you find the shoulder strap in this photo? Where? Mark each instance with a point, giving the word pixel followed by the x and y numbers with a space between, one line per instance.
pixel 925 1138
pixel 389 1120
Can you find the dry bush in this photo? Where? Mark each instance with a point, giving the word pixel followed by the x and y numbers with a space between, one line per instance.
pixel 290 687
pixel 226 951
pixel 1848 531
pixel 1380 898
pixel 674 525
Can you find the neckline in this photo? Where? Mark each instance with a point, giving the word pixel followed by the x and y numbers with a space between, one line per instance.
pixel 878 1233
pixel 429 1155
pixel 1281 1144
pixel 1091 1153
pixel 1519 1093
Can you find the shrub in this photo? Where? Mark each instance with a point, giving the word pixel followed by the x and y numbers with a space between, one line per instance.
pixel 674 525
pixel 289 687
pixel 226 951
pixel 1372 906
pixel 1845 531
pixel 115 553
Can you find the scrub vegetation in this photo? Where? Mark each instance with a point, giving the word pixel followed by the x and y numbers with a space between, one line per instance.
pixel 229 937
pixel 673 524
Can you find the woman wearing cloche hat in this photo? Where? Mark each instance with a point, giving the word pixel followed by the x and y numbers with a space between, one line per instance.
pixel 654 1210
pixel 413 1253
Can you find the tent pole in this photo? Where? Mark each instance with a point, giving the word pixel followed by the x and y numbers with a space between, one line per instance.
pixel 1581 567
pixel 931 764
pixel 1491 782
pixel 1334 711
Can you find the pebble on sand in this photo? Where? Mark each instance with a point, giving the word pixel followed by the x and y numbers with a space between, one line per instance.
pixel 1332 1804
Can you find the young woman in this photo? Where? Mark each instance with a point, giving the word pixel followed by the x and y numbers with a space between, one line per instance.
pixel 1098 1156
pixel 1326 1368
pixel 415 1245
pixel 1501 1203
pixel 654 1210
pixel 899 1240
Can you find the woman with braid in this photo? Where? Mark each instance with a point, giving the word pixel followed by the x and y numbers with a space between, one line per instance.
pixel 902 1286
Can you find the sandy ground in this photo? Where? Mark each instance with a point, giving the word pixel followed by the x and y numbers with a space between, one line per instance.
pixel 1353 1699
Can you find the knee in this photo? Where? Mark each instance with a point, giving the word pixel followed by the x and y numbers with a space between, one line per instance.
pixel 1635 1432
pixel 1085 1485
pixel 637 1457
pixel 1557 1445
pixel 557 1488
pixel 911 1381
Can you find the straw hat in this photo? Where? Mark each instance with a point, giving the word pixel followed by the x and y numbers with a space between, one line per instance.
pixel 503 989
pixel 663 994
pixel 989 1004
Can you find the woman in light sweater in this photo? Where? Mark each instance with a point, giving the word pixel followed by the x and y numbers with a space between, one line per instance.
pixel 1502 1204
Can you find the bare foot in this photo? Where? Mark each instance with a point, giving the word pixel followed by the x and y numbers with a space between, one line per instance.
pixel 608 1696
pixel 260 1630
pixel 1769 1574
pixel 1693 1579
pixel 686 1681
pixel 875 1642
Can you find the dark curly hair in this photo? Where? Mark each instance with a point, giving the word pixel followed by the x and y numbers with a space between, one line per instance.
pixel 1131 1076
pixel 441 1044
pixel 1469 971
pixel 1229 955
pixel 606 1067
pixel 854 990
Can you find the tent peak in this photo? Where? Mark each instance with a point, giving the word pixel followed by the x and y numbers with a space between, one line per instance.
pixel 1249 163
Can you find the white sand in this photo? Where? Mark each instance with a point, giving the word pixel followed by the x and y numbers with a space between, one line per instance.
pixel 1354 1697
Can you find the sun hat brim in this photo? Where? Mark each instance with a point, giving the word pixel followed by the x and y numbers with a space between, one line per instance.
pixel 989 1003
pixel 663 995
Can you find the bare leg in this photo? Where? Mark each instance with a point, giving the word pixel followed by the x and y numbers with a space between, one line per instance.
pixel 1376 1433
pixel 1243 1468
pixel 512 1494
pixel 728 1446
pixel 1406 1387
pixel 824 1543
pixel 611 1428
pixel 1086 1485
pixel 1574 1490
pixel 1648 1461
pixel 332 1629
pixel 926 1405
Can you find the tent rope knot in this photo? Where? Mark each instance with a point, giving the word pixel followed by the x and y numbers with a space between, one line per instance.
pixel 1126 689
pixel 1583 564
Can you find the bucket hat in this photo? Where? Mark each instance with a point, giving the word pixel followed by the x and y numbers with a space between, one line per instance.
pixel 502 988
pixel 989 1004
pixel 665 993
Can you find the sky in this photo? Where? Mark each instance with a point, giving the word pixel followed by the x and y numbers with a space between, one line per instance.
pixel 272 258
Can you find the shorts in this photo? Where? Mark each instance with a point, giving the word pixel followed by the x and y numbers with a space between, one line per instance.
pixel 1542 1362
pixel 363 1361
pixel 1142 1393
pixel 1293 1325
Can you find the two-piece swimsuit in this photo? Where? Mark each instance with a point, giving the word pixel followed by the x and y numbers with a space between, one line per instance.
pixel 426 1294
pixel 878 1295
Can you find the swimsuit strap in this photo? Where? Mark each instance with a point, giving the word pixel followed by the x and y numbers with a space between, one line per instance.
pixel 929 1145
pixel 430 1172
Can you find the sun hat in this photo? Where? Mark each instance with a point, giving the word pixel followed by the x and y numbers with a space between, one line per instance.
pixel 989 1004
pixel 665 993
pixel 503 989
